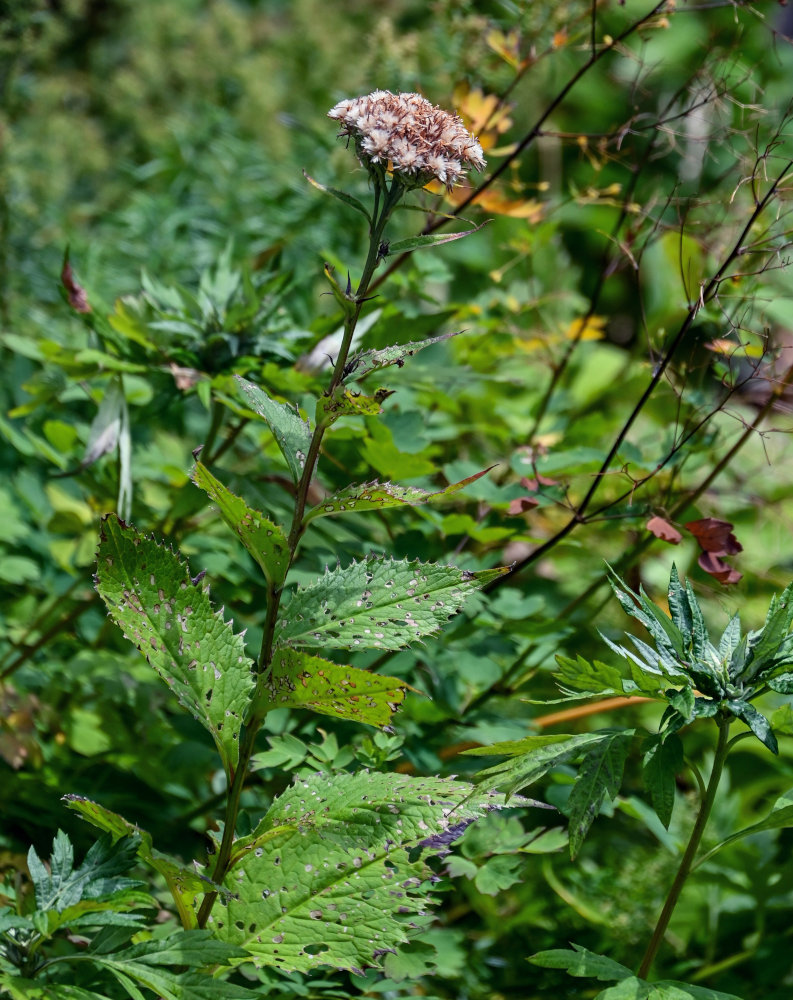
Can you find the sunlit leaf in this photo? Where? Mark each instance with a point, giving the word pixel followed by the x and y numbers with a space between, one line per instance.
pixel 334 873
pixel 291 432
pixel 377 603
pixel 264 540
pixel 150 595
pixel 378 496
pixel 299 680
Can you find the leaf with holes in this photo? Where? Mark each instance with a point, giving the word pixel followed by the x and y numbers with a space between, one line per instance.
pixel 264 540
pixel 345 403
pixel 298 680
pixel 150 595
pixel 291 432
pixel 366 362
pixel 378 496
pixel 335 874
pixel 379 603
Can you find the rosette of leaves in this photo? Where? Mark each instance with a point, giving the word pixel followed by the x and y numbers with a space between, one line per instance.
pixel 699 678
pixel 682 666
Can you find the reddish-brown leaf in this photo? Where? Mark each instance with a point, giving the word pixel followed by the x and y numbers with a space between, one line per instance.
pixel 664 530
pixel 715 536
pixel 534 484
pixel 521 504
pixel 75 293
pixel 718 569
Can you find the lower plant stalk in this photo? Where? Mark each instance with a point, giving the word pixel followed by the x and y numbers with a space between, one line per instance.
pixel 391 197
pixel 691 850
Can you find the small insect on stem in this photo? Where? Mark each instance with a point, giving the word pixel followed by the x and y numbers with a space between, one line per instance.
pixel 382 250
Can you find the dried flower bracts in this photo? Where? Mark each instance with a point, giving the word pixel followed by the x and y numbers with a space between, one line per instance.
pixel 419 141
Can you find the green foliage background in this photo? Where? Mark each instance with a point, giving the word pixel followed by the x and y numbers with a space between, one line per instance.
pixel 169 138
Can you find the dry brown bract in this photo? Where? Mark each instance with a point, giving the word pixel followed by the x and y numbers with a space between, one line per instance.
pixel 418 140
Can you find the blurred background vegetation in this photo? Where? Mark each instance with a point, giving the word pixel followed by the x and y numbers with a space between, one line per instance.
pixel 163 143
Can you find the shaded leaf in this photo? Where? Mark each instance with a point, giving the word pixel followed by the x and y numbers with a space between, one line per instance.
pixel 378 603
pixel 780 817
pixel 150 595
pixel 718 569
pixel 432 240
pixel 715 536
pixel 662 761
pixel 342 196
pixel 581 963
pixel 378 496
pixel 264 540
pixel 758 723
pixel 298 680
pixel 600 774
pixel 291 432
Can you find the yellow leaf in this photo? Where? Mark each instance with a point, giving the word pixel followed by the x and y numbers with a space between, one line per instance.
pixel 588 328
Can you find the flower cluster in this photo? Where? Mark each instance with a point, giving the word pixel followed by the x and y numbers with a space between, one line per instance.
pixel 419 141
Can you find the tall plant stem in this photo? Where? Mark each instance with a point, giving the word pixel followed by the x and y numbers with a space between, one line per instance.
pixel 390 196
pixel 683 871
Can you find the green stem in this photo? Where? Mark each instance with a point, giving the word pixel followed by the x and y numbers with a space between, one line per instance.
pixel 722 749
pixel 390 197
pixel 215 423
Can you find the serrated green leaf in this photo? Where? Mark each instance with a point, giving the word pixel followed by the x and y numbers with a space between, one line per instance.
pixel 679 608
pixel 764 646
pixel 662 761
pixel 581 963
pixel 291 432
pixel 98 876
pixel 298 680
pixel 365 362
pixel 339 883
pixel 730 638
pixel 498 873
pixel 431 240
pixel 378 496
pixel 663 629
pixel 150 595
pixel 146 965
pixel 699 633
pixel 184 883
pixel 682 701
pixel 782 683
pixel 378 603
pixel 581 675
pixel 758 723
pixel 600 774
pixel 525 767
pixel 264 540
